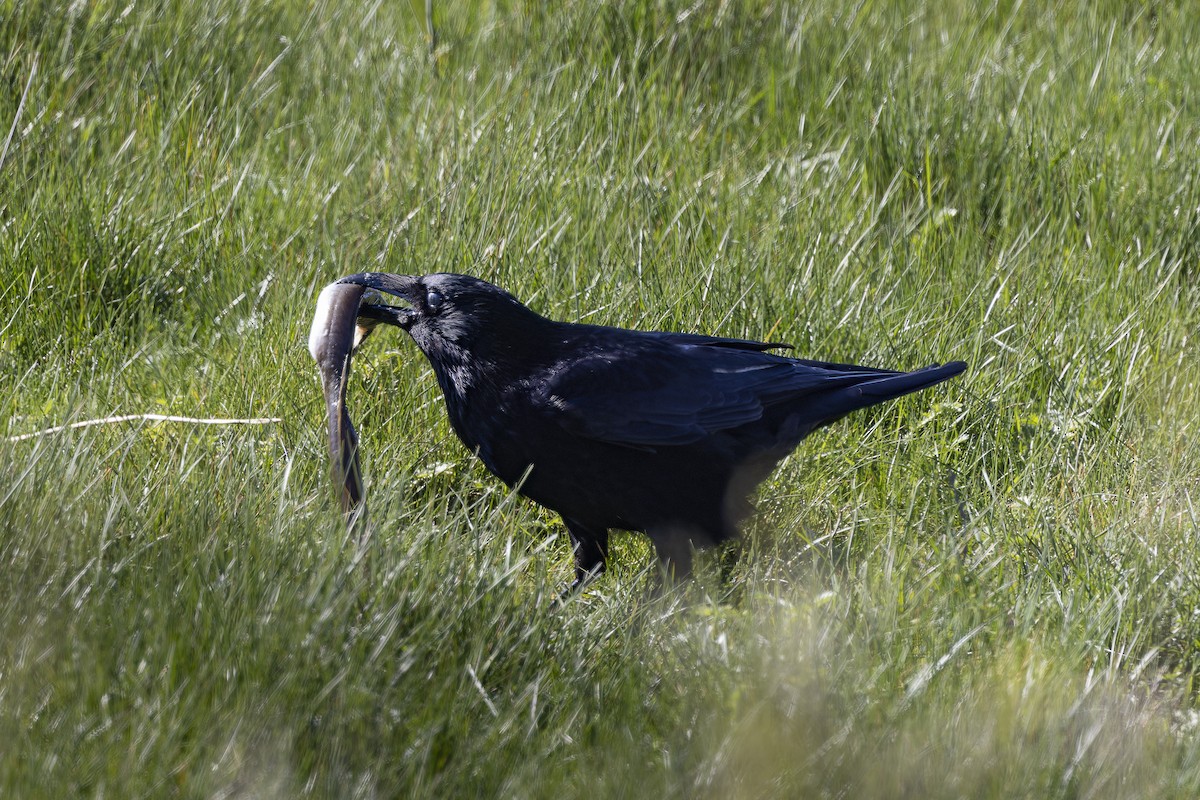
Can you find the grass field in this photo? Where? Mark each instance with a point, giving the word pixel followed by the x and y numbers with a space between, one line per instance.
pixel 991 589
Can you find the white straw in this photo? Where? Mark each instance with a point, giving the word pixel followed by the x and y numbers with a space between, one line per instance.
pixel 87 423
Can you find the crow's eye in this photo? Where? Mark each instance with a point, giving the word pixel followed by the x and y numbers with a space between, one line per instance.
pixel 434 299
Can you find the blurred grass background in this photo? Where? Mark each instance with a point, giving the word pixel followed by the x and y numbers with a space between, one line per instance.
pixel 986 590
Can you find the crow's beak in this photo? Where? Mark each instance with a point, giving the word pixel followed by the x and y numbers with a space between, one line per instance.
pixel 334 335
pixel 373 310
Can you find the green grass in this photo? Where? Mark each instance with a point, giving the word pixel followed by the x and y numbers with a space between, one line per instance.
pixel 986 590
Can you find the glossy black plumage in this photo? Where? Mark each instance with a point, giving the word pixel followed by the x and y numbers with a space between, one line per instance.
pixel 664 433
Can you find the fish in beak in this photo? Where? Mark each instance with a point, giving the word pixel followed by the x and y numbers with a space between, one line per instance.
pixel 334 335
pixel 346 314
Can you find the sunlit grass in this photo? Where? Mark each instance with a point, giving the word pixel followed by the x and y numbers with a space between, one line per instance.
pixel 985 590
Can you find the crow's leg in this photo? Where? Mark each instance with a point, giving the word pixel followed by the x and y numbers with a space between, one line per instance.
pixel 590 546
pixel 674 548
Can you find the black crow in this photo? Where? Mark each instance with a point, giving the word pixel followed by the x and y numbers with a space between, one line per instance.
pixel 663 433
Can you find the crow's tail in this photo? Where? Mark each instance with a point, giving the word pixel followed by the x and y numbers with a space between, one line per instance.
pixel 872 390
pixel 897 385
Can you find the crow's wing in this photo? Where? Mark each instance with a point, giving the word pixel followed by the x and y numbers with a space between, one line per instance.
pixel 762 347
pixel 715 341
pixel 683 394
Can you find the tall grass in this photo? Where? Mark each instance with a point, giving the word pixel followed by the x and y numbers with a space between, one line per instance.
pixel 986 590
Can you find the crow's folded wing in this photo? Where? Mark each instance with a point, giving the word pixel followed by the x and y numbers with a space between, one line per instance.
pixel 684 394
pixel 762 347
pixel 716 341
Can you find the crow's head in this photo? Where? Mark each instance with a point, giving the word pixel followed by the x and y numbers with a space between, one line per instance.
pixel 450 317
